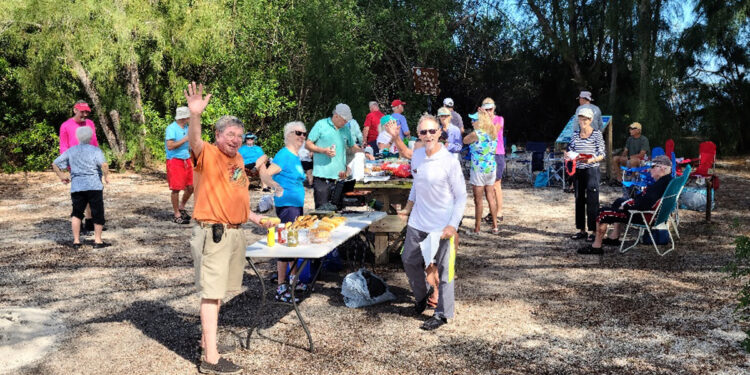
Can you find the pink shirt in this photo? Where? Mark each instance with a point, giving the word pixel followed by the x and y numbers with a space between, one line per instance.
pixel 499 120
pixel 68 134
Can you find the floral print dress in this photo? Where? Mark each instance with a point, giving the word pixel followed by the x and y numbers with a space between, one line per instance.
pixel 483 153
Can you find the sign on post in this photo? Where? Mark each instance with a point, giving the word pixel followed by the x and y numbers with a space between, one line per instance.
pixel 426 81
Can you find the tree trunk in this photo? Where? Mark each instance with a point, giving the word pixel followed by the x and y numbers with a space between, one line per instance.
pixel 114 138
pixel 613 74
pixel 134 91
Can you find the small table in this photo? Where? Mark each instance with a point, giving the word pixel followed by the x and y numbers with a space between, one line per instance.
pixel 353 225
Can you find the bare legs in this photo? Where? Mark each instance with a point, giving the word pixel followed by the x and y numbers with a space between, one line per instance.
pixel 601 231
pixel 178 204
pixel 75 224
pixel 489 192
pixel 281 272
pixel 499 197
pixel 209 326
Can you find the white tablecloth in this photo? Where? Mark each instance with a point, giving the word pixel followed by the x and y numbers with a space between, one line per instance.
pixel 354 224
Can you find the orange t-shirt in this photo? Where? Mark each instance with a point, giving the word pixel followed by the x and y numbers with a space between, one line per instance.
pixel 221 194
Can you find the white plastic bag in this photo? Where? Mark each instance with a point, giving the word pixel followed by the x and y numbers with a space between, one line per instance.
pixel 357 292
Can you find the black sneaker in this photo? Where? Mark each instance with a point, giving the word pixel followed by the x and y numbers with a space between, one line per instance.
pixel 591 250
pixel 221 348
pixel 578 236
pixel 590 238
pixel 610 242
pixel 101 245
pixel 433 323
pixel 223 366
pixel 421 305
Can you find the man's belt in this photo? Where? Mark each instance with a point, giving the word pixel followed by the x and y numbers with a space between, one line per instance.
pixel 205 224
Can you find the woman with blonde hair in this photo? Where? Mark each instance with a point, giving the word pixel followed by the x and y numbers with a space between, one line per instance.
pixel 482 144
pixel 488 106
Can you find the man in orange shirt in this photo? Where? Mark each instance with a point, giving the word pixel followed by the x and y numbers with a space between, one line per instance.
pixel 222 205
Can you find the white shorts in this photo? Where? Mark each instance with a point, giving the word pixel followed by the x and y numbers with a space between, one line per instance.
pixel 481 179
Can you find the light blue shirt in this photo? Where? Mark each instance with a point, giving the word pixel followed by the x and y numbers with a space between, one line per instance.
pixel 324 134
pixel 250 154
pixel 357 135
pixel 401 120
pixel 290 178
pixel 85 167
pixel 175 133
pixel 454 142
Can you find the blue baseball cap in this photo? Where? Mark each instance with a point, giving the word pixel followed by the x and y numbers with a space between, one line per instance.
pixel 386 119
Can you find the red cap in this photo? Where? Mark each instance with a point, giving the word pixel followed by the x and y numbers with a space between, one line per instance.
pixel 82 107
pixel 397 103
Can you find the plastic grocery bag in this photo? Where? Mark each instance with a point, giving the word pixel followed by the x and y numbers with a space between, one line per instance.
pixel 265 203
pixel 363 288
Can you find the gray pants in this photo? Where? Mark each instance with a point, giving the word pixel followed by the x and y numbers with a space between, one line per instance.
pixel 414 267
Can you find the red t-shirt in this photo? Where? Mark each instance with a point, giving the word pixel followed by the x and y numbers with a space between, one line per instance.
pixel 373 121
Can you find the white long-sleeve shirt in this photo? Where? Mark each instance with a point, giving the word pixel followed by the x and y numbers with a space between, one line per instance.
pixel 438 191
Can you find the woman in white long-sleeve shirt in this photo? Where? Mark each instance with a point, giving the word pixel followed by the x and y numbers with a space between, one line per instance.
pixel 436 205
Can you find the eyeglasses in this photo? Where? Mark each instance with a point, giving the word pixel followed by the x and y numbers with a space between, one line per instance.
pixel 299 133
pixel 425 131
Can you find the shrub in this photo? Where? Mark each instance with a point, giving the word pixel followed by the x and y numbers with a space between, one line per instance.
pixel 740 269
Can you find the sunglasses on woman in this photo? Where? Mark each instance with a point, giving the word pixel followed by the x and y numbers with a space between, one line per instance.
pixel 299 133
pixel 425 131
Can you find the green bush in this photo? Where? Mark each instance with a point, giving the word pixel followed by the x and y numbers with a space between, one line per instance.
pixel 31 149
pixel 740 269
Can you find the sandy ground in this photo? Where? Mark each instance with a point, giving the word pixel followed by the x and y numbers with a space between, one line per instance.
pixel 527 303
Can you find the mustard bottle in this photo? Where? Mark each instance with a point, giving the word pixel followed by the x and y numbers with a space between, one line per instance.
pixel 271 237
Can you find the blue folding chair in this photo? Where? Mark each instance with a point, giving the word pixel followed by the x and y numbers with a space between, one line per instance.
pixel 652 218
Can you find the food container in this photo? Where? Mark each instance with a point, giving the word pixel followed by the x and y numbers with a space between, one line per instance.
pixel 303 236
pixel 281 233
pixel 292 239
pixel 319 236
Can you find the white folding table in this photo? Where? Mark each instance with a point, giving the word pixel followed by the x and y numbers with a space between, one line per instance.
pixel 354 224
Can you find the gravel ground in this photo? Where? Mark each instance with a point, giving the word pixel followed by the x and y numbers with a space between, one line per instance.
pixel 527 303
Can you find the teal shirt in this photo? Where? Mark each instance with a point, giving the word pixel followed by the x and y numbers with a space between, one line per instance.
pixel 324 134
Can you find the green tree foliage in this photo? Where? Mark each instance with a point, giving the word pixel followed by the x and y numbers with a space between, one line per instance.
pixel 270 62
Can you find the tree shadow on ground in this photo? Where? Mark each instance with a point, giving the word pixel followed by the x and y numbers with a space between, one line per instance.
pixel 178 332
pixel 156 213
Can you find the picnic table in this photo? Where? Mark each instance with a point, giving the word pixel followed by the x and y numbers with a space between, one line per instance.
pixel 392 191
pixel 354 225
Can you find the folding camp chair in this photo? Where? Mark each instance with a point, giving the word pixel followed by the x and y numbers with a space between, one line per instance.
pixel 653 218
pixel 554 165
pixel 669 147
pixel 518 165
pixel 657 151
pixel 675 218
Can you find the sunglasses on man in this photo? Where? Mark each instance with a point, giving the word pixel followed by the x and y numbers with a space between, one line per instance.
pixel 425 131
pixel 632 128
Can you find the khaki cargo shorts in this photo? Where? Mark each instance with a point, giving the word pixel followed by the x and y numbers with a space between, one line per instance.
pixel 219 267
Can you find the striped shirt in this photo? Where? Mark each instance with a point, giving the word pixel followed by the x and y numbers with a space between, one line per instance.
pixel 593 145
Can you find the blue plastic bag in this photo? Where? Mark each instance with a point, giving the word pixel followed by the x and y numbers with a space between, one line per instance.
pixel 542 180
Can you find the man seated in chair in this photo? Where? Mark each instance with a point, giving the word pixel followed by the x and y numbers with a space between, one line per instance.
pixel 618 214
pixel 635 150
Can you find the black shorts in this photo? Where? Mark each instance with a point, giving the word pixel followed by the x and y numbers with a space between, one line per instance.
pixel 307 165
pixel 93 198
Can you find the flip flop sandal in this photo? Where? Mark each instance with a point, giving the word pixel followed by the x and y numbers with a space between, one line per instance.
pixel 184 214
pixel 495 230
pixel 181 220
